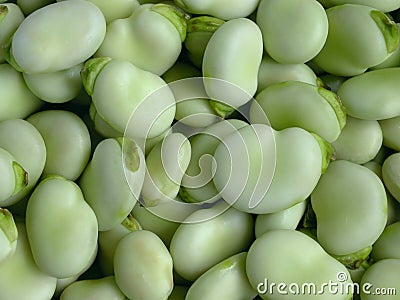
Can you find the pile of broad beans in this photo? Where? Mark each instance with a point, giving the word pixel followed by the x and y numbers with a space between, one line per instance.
pixel 214 149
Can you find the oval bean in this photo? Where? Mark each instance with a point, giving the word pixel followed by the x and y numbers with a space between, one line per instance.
pixel 370 43
pixel 299 104
pixel 61 228
pixel 373 95
pixel 298 40
pixel 21 268
pixel 143 266
pixel 67 142
pixel 258 169
pixel 345 194
pixel 112 180
pixel 233 55
pixel 197 246
pixel 151 38
pixel 36 49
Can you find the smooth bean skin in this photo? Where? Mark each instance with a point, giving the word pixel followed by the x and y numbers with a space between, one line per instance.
pixel 67 142
pixel 233 55
pixel 391 131
pixel 198 33
pixel 382 274
pixel 17 101
pixel 258 168
pixel 383 5
pixel 370 44
pixel 359 141
pixel 108 241
pixel 19 137
pixel 197 246
pixel 11 17
pixel 285 219
pixel 62 228
pixel 272 72
pixel 223 9
pixel 57 87
pixel 344 196
pixel 20 278
pixel 192 104
pixel 388 243
pixel 197 184
pixel 164 228
pixel 117 9
pixel 391 173
pixel 299 104
pixel 225 280
pixel 166 164
pixel 8 235
pixel 373 95
pixel 272 257
pixel 36 49
pixel 129 38
pixel 143 266
pixel 100 289
pixel 304 36
pixel 136 93
pixel 112 180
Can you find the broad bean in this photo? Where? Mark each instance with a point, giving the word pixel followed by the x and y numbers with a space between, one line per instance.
pixel 285 219
pixel 391 130
pixel 344 195
pixel 136 94
pixel 67 142
pixel 20 277
pixel 99 289
pixel 371 43
pixel 225 280
pixel 359 141
pixel 198 33
pixel 272 72
pixel 11 17
pixel 388 243
pixel 233 56
pixel 205 239
pixel 272 259
pixel 165 166
pixel 299 104
pixel 62 244
pixel 304 35
pixel 258 169
pixel 19 137
pixel 382 280
pixel 143 266
pixel 56 87
pixel 373 95
pixel 151 38
pixel 46 40
pixel 17 101
pixel 108 241
pixel 112 181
